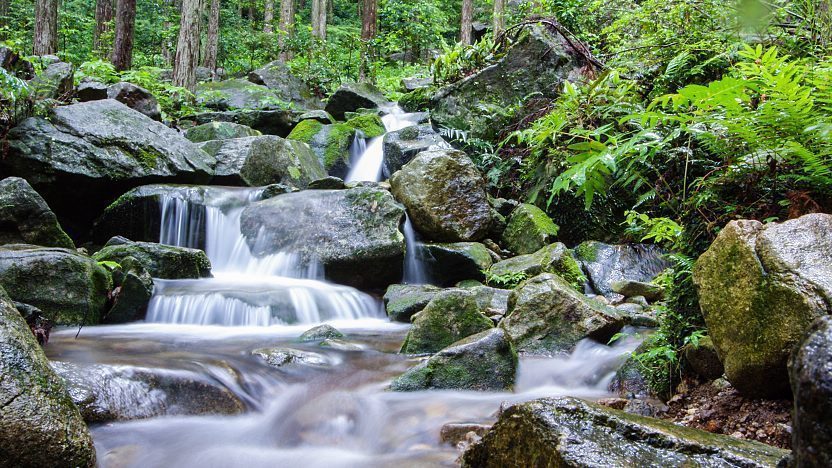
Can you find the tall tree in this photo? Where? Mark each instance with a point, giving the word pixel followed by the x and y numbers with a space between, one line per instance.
pixel 287 27
pixel 369 20
pixel 46 27
pixel 4 13
pixel 187 47
pixel 212 39
pixel 499 17
pixel 268 16
pixel 103 22
pixel 466 27
pixel 318 19
pixel 122 56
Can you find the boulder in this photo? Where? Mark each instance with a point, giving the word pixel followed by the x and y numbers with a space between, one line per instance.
pixel 529 229
pixel 629 381
pixel 161 261
pixel 568 432
pixel 19 67
pixel 262 160
pixel 368 124
pixel 486 361
pixel 810 373
pixel 547 315
pixel 537 63
pixel 219 131
pixel 350 97
pixel 401 146
pixel 91 90
pixel 68 287
pixel 268 122
pixel 445 196
pixel 332 142
pixel 606 264
pixel 402 301
pixel 418 100
pixel 449 317
pixel 353 233
pixel 238 94
pixel 327 183
pixel 413 83
pixel 321 116
pixel 39 425
pixel 279 357
pixel 450 263
pixel 56 81
pixel 277 77
pixel 320 333
pixel 107 393
pixel 491 301
pixel 100 149
pixel 132 293
pixel 136 98
pixel 631 289
pixel 554 258
pixel 760 287
pixel 25 218
pixel 703 359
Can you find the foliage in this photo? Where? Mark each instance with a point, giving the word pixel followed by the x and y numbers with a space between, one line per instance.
pixel 461 60
pixel 508 280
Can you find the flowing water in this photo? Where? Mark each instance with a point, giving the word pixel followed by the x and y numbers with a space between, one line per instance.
pixel 367 156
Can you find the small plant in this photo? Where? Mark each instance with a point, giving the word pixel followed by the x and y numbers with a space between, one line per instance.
pixel 508 280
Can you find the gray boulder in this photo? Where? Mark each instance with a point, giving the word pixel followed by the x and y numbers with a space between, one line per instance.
pixel 136 98
pixel 25 218
pixel 631 289
pixel 238 94
pixel 91 90
pixel 401 146
pixel 219 131
pixel 56 81
pixel 39 425
pixel 449 317
pixel 280 357
pixel 414 83
pixel 161 261
pixel 606 264
pixel 554 258
pixel 528 230
pixel 445 196
pixel 350 97
pixel 450 263
pixel 402 301
pixel 320 333
pixel 278 122
pixel 277 77
pixel 132 293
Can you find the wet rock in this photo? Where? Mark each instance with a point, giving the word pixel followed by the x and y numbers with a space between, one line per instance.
pixel 810 373
pixel 161 261
pixel 401 146
pixel 268 122
pixel 455 433
pixel 132 293
pixel 703 359
pixel 100 149
pixel 414 83
pixel 91 90
pixel 491 301
pixel 327 183
pixel 136 98
pixel 486 361
pixel 449 317
pixel 238 94
pixel 402 301
pixel 629 381
pixel 321 116
pixel 68 287
pixel 262 160
pixel 760 286
pixel 106 393
pixel 219 131
pixel 572 432
pixel 340 345
pixel 630 289
pixel 350 97
pixel 25 218
pixel 553 258
pixel 277 77
pixel 331 142
pixel 450 263
pixel 279 357
pixel 606 264
pixel 56 81
pixel 353 233
pixel 39 425
pixel 547 315
pixel 445 196
pixel 529 229
pixel 320 333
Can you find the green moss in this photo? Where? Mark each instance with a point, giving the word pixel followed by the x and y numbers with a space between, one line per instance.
pixel 450 316
pixel 369 124
pixel 416 100
pixel 305 131
pixel 529 229
pixel 587 251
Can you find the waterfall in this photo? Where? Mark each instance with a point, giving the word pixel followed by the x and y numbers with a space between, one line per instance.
pixel 414 267
pixel 366 157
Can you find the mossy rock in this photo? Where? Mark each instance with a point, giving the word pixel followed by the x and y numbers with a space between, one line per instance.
pixel 219 131
pixel 350 97
pixel 370 125
pixel 330 143
pixel 161 261
pixel 607 264
pixel 402 301
pixel 450 316
pixel 417 100
pixel 320 333
pixel 449 263
pixel 553 258
pixel 25 218
pixel 238 94
pixel 529 229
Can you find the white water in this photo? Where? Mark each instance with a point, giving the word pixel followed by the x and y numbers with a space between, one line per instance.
pixel 367 156
pixel 414 268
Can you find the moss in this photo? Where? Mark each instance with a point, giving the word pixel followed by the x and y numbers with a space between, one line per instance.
pixel 369 124
pixel 529 229
pixel 450 316
pixel 416 100
pixel 337 144
pixel 587 251
pixel 305 131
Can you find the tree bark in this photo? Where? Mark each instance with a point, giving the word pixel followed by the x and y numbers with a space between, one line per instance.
pixel 319 8
pixel 268 16
pixel 103 23
pixel 287 28
pixel 46 27
pixel 122 56
pixel 499 17
pixel 369 20
pixel 466 28
pixel 187 47
pixel 212 40
pixel 4 12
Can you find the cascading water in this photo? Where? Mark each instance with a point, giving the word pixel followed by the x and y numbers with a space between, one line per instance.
pixel 367 156
pixel 414 268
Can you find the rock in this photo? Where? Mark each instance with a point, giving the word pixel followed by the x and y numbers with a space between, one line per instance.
pixel 277 77
pixel 491 301
pixel 353 234
pixel 11 61
pixel 449 317
pixel 760 287
pixel 455 433
pixel 445 196
pixel 340 345
pixel 401 146
pixel 134 289
pixel 136 98
pixel 554 258
pixel 447 264
pixel 415 82
pixel 547 315
pixel 368 125
pixel 320 333
pixel 261 160
pixel 810 373
pixel 321 116
pixel 650 292
pixel 402 301
pixel 91 90
pixel 486 361
pixel 100 149
pixel 637 300
pixel 107 393
pixel 25 218
pixel 327 183
pixel 537 63
pixel 566 432
pixel 417 100
pixel 331 142
pixel 629 381
pixel 267 122
pixel 161 261
pixel 703 359
pixel 56 81
pixel 68 287
pixel 606 264
pixel 219 131
pixel 350 97
pixel 238 94
pixel 39 426
pixel 529 229
pixel 279 357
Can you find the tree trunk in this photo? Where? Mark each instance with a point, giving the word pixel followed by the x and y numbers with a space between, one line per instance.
pixel 369 16
pixel 187 48
pixel 268 16
pixel 466 29
pixel 212 40
pixel 499 17
pixel 46 27
pixel 319 19
pixel 122 56
pixel 4 12
pixel 287 27
pixel 103 23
